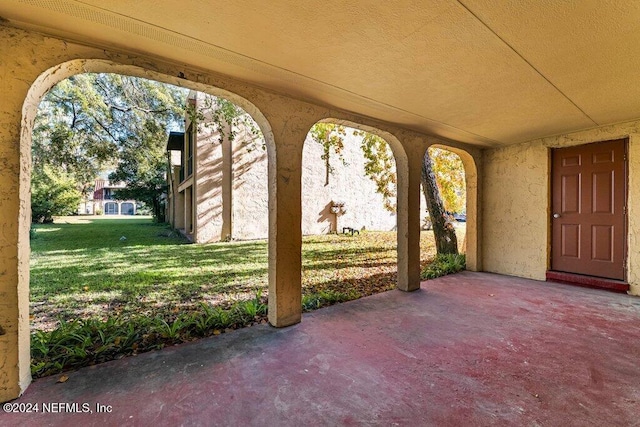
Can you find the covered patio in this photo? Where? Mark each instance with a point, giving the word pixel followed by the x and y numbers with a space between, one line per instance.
pixel 515 88
pixel 466 349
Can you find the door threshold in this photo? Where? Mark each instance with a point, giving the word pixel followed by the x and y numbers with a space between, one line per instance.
pixel 587 281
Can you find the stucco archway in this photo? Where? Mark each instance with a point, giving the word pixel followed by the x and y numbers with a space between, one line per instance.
pixel 41 85
pixel 472 229
pixel 404 278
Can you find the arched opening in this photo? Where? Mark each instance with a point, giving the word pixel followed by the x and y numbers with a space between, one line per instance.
pixel 127 208
pixel 111 208
pixel 456 176
pixel 349 212
pixel 45 82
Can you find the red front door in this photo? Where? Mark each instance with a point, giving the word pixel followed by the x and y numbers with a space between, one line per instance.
pixel 589 188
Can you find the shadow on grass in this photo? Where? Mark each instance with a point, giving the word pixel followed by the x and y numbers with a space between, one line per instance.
pixel 79 343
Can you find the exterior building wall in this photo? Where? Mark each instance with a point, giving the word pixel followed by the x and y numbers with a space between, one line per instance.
pixel 188 212
pixel 177 210
pixel 250 190
pixel 348 183
pixel 175 200
pixel 98 203
pixel 517 201
pixel 209 176
pixel 101 206
pixel 238 208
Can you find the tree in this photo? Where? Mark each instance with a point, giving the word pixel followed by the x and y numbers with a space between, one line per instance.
pixel 449 172
pixel 142 112
pixel 52 193
pixel 380 167
pixel 443 230
pixel 442 178
pixel 330 136
pixel 91 123
pixel 224 116
pixel 142 167
pixel 70 132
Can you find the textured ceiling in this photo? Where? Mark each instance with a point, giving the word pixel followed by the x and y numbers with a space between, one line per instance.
pixel 487 72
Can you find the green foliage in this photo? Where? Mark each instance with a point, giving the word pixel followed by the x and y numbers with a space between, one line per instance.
pixel 380 167
pixel 253 308
pixel 444 264
pixel 90 123
pixel 70 133
pixel 325 298
pixel 330 136
pixel 226 118
pixel 79 343
pixel 142 167
pixel 450 178
pixel 52 193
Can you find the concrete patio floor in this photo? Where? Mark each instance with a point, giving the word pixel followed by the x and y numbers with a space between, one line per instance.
pixel 467 349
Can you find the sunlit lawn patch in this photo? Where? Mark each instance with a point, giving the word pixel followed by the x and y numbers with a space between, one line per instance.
pixel 96 269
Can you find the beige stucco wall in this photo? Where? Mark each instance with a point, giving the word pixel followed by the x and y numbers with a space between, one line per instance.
pixel 516 202
pixel 249 190
pixel 364 206
pixel 250 213
pixel 231 182
pixel 348 183
pixel 208 169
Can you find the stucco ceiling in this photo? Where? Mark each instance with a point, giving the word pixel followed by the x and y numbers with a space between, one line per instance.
pixel 487 72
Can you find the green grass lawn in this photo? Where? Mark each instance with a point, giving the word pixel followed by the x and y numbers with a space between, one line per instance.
pixel 146 285
pixel 84 267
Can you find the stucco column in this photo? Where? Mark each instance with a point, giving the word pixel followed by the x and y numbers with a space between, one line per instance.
pixel 290 124
pixel 15 218
pixel 178 210
pixel 473 170
pixel 409 217
pixel 188 212
pixel 227 184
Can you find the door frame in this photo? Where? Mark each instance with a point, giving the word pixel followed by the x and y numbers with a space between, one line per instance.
pixel 625 249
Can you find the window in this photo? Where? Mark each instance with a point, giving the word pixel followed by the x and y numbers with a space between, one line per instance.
pixel 111 208
pixel 127 209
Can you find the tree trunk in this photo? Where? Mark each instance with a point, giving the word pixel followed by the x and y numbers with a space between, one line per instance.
pixel 443 230
pixel 158 211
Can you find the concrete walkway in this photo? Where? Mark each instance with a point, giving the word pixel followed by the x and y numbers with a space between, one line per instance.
pixel 468 349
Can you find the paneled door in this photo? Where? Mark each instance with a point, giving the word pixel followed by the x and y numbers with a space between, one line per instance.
pixel 589 193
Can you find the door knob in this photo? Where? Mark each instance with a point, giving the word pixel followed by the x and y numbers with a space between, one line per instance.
pixel 556 215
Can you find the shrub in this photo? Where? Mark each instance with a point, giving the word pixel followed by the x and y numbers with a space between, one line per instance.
pixel 444 264
pixel 326 298
pixel 52 193
pixel 86 342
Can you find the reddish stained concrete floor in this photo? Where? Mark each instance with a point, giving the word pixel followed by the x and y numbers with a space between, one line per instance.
pixel 468 349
